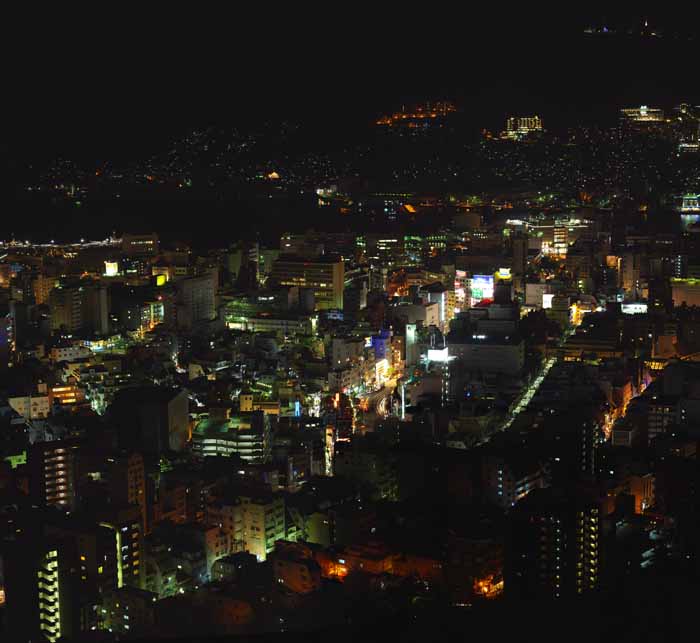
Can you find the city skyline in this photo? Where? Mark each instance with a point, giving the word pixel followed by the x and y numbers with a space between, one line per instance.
pixel 338 327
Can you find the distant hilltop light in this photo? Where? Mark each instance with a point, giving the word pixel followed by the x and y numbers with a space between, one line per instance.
pixel 418 116
pixel 520 127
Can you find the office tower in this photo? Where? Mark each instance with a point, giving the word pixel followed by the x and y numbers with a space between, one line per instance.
pixel 52 471
pixel 324 276
pixel 66 306
pixel 151 419
pixel 555 544
pixel 195 301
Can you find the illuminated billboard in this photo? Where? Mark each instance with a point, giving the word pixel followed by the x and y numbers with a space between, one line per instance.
pixel 634 308
pixel 438 355
pixel 481 288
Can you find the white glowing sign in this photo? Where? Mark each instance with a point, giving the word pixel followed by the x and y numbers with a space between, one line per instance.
pixel 438 355
pixel 634 309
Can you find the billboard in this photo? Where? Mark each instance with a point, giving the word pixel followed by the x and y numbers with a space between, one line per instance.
pixel 481 288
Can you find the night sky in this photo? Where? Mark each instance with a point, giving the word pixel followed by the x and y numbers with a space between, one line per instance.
pixel 124 84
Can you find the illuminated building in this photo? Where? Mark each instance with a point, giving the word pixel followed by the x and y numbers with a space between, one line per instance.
pixel 128 611
pixel 561 239
pixel 535 294
pixel 419 116
pixel 66 308
pixel 79 305
pixel 436 293
pixel 287 325
pixel 140 244
pixel 67 395
pixel 508 477
pixel 495 353
pixel 50 596
pixel 34 406
pixel 39 588
pixel 425 314
pixel 642 114
pixel 52 466
pixel 262 521
pixel 685 291
pixel 142 316
pixel 111 268
pixel 125 522
pixel 248 403
pixel 519 127
pixel 246 434
pixel 195 302
pixel 480 288
pixel 68 352
pixel 324 276
pixel 93 548
pixel 555 545
pixel 127 480
pixel 690 203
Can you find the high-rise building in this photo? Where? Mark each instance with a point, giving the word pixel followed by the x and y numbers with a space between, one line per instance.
pixel 41 590
pixel 52 471
pixel 262 521
pixel 65 303
pixel 324 276
pixel 124 521
pixel 96 309
pixel 127 480
pixel 94 551
pixel 194 302
pixel 79 305
pixel 555 544
pixel 520 247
